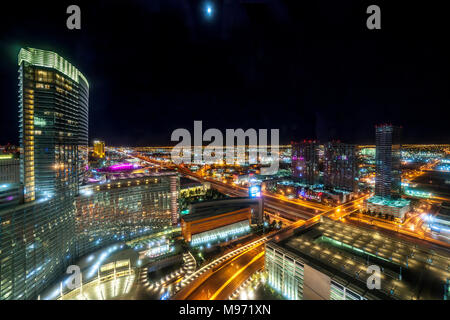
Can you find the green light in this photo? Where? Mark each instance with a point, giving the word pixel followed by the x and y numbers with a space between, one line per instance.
pixel 49 59
pixel 383 201
pixel 339 243
pixel 418 193
pixel 39 122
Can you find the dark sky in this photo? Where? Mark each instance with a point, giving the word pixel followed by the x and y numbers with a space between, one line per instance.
pixel 309 68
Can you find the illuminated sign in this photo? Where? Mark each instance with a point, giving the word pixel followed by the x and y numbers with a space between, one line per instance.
pixel 255 191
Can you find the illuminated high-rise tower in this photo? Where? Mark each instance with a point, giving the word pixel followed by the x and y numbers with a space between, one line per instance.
pixel 53 115
pixel 99 149
pixel 340 166
pixel 37 238
pixel 388 180
pixel 305 160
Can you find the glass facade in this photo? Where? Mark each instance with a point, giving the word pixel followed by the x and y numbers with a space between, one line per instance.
pixel 53 122
pixel 123 210
pixel 222 233
pixel 9 169
pixel 285 273
pixel 387 161
pixel 286 276
pixel 340 166
pixel 340 292
pixel 304 161
pixel 37 238
pixel 36 245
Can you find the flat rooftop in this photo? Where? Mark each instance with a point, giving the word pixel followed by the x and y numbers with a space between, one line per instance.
pixel 344 252
pixel 211 211
pixel 189 183
pixel 396 203
pixel 119 176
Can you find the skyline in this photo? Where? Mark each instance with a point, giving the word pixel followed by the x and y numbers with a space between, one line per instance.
pixel 321 76
pixel 298 167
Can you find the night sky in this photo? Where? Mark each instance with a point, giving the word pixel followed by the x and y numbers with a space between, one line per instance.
pixel 312 70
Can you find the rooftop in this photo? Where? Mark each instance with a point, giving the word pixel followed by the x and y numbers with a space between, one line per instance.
pixel 342 251
pixel 50 59
pixel 382 201
pixel 188 183
pixel 210 211
pixel 216 207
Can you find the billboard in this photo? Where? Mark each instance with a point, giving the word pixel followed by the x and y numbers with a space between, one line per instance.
pixel 254 191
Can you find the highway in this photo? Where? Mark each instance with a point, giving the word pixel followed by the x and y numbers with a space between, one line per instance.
pixel 273 216
pixel 287 208
pixel 229 276
pixel 298 209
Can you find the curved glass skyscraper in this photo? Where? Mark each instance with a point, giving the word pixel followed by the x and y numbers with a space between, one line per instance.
pixel 59 220
pixel 37 238
pixel 53 102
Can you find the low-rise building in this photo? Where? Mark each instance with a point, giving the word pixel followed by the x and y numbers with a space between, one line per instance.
pixel 207 225
pixel 331 260
pixel 123 209
pixel 440 223
pixel 190 187
pixel 395 207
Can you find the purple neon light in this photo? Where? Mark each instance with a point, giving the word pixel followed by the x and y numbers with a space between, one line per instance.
pixel 123 166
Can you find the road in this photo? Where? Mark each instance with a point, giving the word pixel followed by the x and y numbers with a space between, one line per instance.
pixel 287 208
pixel 298 209
pixel 276 217
pixel 229 276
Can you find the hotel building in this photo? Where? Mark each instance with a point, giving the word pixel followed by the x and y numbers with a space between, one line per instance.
pixel 388 186
pixel 388 181
pixel 305 161
pixel 53 122
pixel 340 167
pixel 49 220
pixel 99 149
pixel 123 209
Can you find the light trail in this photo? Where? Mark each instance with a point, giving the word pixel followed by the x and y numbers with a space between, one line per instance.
pixel 259 255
